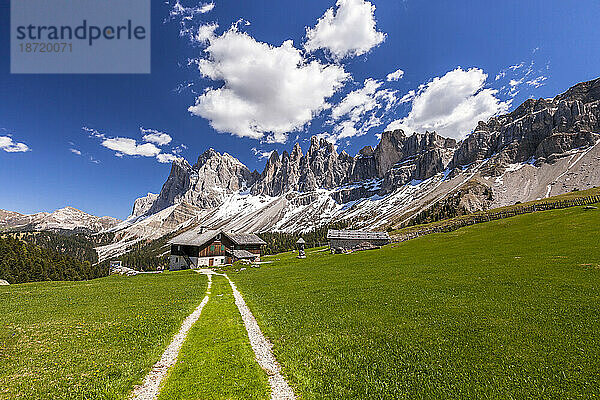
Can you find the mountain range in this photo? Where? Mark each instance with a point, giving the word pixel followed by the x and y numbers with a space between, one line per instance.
pixel 64 219
pixel 544 147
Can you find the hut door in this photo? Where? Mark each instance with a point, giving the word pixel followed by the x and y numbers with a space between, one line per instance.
pixel 211 262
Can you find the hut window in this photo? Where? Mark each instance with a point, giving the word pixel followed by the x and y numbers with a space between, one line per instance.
pixel 222 247
pixel 212 248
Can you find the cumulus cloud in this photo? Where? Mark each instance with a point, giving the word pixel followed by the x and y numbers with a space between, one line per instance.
pixel 130 147
pixel 452 105
pixel 395 76
pixel 156 137
pixel 346 31
pixel 359 109
pixel 147 147
pixel 166 158
pixel 267 91
pixel 10 146
pixel 75 151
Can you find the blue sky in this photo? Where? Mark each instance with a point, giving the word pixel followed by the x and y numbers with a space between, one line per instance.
pixel 450 54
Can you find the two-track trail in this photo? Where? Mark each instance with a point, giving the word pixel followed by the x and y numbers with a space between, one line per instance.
pixel 280 389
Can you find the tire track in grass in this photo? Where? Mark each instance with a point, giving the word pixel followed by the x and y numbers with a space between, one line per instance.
pixel 216 361
pixel 149 390
pixel 280 390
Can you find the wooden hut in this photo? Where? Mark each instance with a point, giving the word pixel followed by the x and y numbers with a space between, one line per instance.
pixel 208 247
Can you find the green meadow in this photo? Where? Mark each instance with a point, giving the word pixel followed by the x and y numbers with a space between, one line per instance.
pixel 89 340
pixel 216 360
pixel 503 310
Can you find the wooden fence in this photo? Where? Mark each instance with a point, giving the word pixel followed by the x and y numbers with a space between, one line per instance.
pixel 479 218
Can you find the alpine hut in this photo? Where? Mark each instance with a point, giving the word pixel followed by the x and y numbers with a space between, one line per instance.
pixel 344 240
pixel 209 247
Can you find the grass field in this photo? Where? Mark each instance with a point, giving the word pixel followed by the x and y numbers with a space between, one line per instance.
pixel 502 310
pixel 216 361
pixel 89 340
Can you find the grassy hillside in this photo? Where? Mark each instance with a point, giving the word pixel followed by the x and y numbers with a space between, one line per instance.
pixel 505 309
pixel 89 340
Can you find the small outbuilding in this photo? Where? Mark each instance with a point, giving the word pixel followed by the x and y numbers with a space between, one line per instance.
pixel 347 240
pixel 200 247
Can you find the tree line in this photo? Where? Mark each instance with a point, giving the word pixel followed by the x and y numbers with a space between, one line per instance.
pixel 21 262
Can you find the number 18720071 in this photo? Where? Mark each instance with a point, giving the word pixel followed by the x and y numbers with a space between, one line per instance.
pixel 34 47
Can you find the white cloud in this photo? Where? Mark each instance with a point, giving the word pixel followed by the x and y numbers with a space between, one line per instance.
pixel 517 66
pixel 268 91
pixel 408 97
pixel 452 105
pixel 124 146
pixel 75 151
pixel 514 82
pixel 349 30
pixel 205 33
pixel 537 82
pixel 395 76
pixel 360 108
pixel 261 153
pixel 130 147
pixel 166 158
pixel 156 137
pixel 93 132
pixel 10 146
pixel 517 75
pixel 360 101
pixel 188 13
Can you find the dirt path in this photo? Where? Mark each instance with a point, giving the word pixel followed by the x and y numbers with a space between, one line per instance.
pixel 150 389
pixel 280 390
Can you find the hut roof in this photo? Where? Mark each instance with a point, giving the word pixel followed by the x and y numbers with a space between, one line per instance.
pixel 357 235
pixel 300 241
pixel 194 237
pixel 243 254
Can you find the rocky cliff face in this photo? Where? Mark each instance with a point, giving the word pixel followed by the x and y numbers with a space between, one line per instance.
pixel 538 130
pixel 401 159
pixel 142 205
pixel 397 159
pixel 205 183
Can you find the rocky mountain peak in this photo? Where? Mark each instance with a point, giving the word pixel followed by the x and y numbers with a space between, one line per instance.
pixel 143 204
pixel 585 92
pixel 64 219
pixel 367 151
pixel 205 183
pixel 537 130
